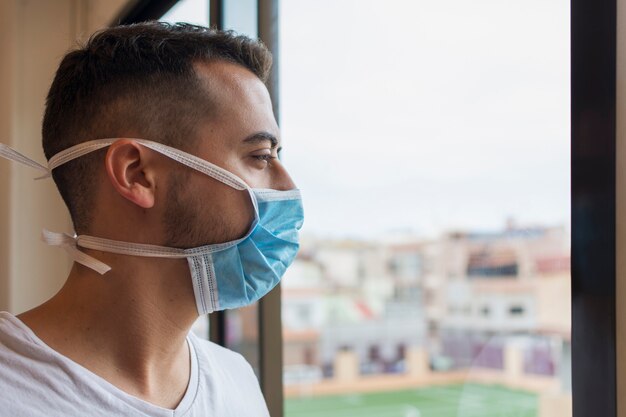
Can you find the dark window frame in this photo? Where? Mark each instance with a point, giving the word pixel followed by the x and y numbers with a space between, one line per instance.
pixel 142 10
pixel 593 106
pixel 593 198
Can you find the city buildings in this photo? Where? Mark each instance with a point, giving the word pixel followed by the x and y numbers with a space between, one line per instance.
pixel 464 301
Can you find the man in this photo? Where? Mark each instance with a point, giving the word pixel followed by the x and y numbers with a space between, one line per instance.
pixel 163 144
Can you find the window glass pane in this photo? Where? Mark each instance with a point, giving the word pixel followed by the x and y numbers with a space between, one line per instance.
pixel 242 333
pixel 431 142
pixel 241 16
pixel 188 11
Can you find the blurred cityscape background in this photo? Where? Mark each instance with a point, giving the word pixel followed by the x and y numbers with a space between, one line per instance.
pixel 468 307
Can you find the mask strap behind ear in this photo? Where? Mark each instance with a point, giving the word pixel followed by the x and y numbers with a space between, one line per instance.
pixel 177 155
pixel 76 151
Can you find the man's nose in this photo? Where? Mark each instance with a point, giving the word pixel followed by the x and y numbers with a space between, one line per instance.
pixel 282 180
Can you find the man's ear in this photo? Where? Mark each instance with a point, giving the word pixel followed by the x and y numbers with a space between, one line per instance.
pixel 129 168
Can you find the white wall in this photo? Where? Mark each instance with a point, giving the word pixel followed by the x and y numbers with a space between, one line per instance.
pixel 34 35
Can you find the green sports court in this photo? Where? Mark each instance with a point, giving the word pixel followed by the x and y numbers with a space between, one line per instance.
pixel 471 400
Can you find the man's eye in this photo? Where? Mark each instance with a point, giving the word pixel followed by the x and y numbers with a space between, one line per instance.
pixel 263 161
pixel 264 157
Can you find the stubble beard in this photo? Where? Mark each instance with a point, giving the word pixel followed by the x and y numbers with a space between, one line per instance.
pixel 188 222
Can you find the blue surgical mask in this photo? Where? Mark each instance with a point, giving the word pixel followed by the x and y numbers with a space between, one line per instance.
pixel 225 275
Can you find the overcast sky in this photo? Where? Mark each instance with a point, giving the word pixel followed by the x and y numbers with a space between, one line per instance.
pixel 425 115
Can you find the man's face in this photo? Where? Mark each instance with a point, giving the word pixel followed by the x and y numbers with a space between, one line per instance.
pixel 243 138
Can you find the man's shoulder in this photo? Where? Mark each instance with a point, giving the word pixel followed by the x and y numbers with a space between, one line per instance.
pixel 29 371
pixel 15 337
pixel 10 324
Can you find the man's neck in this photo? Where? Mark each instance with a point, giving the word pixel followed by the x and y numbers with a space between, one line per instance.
pixel 128 327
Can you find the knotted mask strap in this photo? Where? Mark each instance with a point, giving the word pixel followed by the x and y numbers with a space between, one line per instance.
pixel 68 243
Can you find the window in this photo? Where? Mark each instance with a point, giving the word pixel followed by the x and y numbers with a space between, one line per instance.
pixel 188 11
pixel 593 186
pixel 415 134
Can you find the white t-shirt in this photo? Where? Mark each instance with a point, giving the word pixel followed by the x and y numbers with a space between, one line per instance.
pixel 37 381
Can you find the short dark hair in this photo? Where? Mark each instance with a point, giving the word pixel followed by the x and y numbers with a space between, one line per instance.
pixel 134 80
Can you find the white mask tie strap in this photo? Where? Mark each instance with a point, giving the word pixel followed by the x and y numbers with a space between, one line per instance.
pixel 76 151
pixel 14 155
pixel 196 163
pixel 125 248
pixel 72 244
pixel 150 251
pixel 177 155
pixel 68 243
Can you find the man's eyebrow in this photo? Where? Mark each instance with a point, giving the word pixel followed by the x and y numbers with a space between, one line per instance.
pixel 262 137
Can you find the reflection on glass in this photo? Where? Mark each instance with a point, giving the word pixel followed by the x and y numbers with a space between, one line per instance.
pixel 434 274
